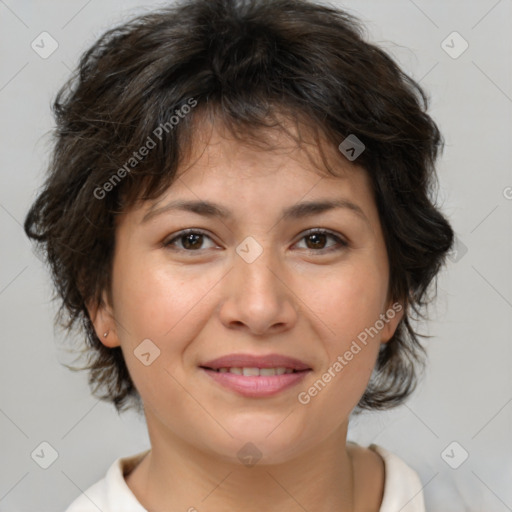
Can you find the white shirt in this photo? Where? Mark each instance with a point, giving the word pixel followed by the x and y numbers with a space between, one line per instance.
pixel 402 488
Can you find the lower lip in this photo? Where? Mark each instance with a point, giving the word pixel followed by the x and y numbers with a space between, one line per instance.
pixel 256 386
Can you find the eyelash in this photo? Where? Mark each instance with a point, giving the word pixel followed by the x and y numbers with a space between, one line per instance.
pixel 342 244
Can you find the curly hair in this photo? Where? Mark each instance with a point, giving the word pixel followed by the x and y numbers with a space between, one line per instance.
pixel 242 62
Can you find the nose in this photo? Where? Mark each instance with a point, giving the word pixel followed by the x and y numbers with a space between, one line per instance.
pixel 257 297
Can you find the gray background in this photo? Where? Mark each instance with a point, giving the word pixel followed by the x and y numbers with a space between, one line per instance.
pixel 466 393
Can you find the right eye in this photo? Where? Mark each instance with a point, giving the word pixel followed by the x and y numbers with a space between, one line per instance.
pixel 190 240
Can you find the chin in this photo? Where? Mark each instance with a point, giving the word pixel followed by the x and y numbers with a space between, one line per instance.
pixel 257 452
pixel 268 440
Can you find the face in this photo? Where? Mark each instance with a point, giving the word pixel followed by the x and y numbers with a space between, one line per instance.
pixel 290 288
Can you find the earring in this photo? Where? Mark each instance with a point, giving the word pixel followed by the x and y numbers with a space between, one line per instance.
pixel 105 334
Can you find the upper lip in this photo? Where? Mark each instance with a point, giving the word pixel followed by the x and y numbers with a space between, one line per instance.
pixel 254 361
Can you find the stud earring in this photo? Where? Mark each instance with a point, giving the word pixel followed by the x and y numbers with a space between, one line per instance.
pixel 105 334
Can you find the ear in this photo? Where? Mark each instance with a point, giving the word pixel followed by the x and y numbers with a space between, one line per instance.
pixel 102 317
pixel 391 317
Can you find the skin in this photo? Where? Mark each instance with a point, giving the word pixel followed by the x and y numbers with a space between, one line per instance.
pixel 296 299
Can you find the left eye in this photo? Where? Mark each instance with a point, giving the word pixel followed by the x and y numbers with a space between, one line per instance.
pixel 318 236
pixel 192 240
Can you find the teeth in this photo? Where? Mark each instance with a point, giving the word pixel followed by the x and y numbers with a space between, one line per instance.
pixel 252 372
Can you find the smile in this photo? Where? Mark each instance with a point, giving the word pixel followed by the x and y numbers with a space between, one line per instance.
pixel 253 372
pixel 251 382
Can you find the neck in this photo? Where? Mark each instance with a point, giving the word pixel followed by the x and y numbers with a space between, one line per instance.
pixel 177 476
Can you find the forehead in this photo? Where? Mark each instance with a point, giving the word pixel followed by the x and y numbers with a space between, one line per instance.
pixel 267 172
pixel 264 149
pixel 271 157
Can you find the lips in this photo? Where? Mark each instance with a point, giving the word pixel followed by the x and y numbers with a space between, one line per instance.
pixel 256 376
pixel 275 361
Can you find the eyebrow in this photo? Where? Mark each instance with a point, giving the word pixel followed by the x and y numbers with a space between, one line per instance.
pixel 296 211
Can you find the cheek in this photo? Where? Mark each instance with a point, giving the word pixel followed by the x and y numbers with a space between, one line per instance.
pixel 348 306
pixel 347 303
pixel 350 352
pixel 165 305
pixel 154 299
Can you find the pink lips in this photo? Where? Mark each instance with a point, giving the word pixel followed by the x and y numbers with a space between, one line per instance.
pixel 249 361
pixel 257 385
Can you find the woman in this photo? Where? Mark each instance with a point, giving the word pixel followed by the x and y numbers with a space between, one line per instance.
pixel 239 215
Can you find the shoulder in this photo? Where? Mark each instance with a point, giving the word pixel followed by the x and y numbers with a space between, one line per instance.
pixel 403 489
pixel 92 499
pixel 111 491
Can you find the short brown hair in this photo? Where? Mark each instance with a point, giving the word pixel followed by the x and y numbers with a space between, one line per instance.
pixel 240 61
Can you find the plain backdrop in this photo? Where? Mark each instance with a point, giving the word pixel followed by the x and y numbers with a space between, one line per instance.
pixel 463 407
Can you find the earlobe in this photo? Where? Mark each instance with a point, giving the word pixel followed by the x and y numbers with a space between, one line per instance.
pixel 109 339
pixel 102 318
pixel 392 317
